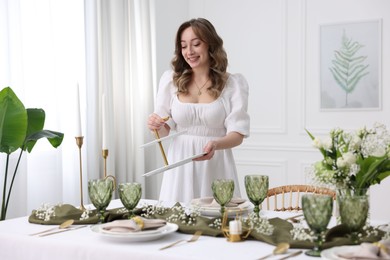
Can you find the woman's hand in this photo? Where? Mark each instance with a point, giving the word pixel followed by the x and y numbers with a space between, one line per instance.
pixel 209 149
pixel 155 122
pixel 230 140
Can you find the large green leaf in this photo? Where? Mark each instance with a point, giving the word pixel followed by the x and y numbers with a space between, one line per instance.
pixel 36 121
pixel 55 138
pixel 13 121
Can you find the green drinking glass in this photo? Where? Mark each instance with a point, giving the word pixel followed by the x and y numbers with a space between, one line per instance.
pixel 317 210
pixel 353 208
pixel 223 192
pixel 256 187
pixel 100 194
pixel 130 195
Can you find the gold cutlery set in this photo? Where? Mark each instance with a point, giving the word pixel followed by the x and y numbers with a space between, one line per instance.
pixel 63 227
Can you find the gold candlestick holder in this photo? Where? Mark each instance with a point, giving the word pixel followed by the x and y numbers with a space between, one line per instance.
pixel 239 236
pixel 105 155
pixel 79 142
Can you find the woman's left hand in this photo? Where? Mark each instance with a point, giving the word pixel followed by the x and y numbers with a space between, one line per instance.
pixel 209 149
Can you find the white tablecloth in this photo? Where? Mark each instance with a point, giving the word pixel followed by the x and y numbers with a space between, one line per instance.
pixel 84 244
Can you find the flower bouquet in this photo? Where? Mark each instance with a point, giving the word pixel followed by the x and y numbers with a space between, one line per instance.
pixel 353 160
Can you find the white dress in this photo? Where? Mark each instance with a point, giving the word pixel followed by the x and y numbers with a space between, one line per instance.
pixel 203 122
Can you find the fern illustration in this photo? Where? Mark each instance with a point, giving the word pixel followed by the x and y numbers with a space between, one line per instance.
pixel 348 69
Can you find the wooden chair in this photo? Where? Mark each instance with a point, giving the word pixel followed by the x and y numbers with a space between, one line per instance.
pixel 290 196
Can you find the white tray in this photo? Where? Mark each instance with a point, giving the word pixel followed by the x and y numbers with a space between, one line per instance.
pixel 173 165
pixel 163 138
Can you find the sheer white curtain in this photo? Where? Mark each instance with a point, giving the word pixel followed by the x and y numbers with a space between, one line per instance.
pixel 119 65
pixel 42 59
pixel 47 47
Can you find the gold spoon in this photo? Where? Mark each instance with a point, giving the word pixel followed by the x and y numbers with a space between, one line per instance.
pixel 63 225
pixel 280 248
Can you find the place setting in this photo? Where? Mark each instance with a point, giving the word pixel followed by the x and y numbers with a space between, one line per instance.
pixel 219 215
pixel 134 228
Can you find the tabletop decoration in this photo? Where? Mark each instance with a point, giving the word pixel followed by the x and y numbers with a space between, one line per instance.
pixel 282 229
pixel 179 215
pixel 130 194
pixel 79 142
pixel 299 232
pixel 353 160
pixel 376 250
pixel 55 214
pixel 353 208
pixel 100 192
pixel 222 192
pixel 317 210
pixel 259 224
pixel 256 187
pixel 234 232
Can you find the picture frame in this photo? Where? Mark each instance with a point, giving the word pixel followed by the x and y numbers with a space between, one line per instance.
pixel 350 66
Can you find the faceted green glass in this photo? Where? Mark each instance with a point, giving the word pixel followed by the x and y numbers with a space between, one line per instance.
pixel 353 209
pixel 317 210
pixel 256 187
pixel 222 192
pixel 130 195
pixel 100 194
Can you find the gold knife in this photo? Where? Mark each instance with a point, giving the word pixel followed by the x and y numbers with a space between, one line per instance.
pixel 61 231
pixel 291 255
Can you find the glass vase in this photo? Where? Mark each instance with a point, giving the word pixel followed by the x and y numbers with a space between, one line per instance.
pixel 353 209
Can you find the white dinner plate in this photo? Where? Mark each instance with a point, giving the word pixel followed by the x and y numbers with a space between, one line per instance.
pixel 136 236
pixel 333 252
pixel 173 165
pixel 243 208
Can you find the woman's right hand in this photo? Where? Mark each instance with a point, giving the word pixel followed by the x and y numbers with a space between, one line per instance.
pixel 155 122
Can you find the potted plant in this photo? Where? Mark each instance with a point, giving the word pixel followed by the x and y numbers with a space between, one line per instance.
pixel 20 129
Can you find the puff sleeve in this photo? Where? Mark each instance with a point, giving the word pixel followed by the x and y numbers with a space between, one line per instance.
pixel 165 94
pixel 236 105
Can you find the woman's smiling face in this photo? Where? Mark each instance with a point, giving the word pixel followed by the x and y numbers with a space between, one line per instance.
pixel 193 49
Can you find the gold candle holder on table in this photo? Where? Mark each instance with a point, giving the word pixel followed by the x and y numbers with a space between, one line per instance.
pixel 79 142
pixel 234 232
pixel 105 155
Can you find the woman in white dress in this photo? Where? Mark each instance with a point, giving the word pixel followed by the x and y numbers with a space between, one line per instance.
pixel 201 98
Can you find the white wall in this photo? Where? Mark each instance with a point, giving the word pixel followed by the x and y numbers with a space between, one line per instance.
pixel 275 44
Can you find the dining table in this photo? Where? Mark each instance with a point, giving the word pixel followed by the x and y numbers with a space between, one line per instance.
pixel 16 242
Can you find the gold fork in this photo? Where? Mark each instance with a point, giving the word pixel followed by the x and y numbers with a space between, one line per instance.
pixel 192 239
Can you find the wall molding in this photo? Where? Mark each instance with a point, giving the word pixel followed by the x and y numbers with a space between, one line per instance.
pixel 282 128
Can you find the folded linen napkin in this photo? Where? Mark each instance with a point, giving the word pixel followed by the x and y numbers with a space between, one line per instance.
pixel 135 224
pixel 210 202
pixel 376 250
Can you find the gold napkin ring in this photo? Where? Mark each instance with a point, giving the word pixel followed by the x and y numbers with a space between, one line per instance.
pixel 139 222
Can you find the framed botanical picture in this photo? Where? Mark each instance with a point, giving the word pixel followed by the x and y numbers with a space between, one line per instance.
pixel 350 66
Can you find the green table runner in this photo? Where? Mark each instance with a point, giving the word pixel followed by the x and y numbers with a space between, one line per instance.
pixel 188 224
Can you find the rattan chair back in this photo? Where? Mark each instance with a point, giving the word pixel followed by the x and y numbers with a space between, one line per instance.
pixel 288 197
